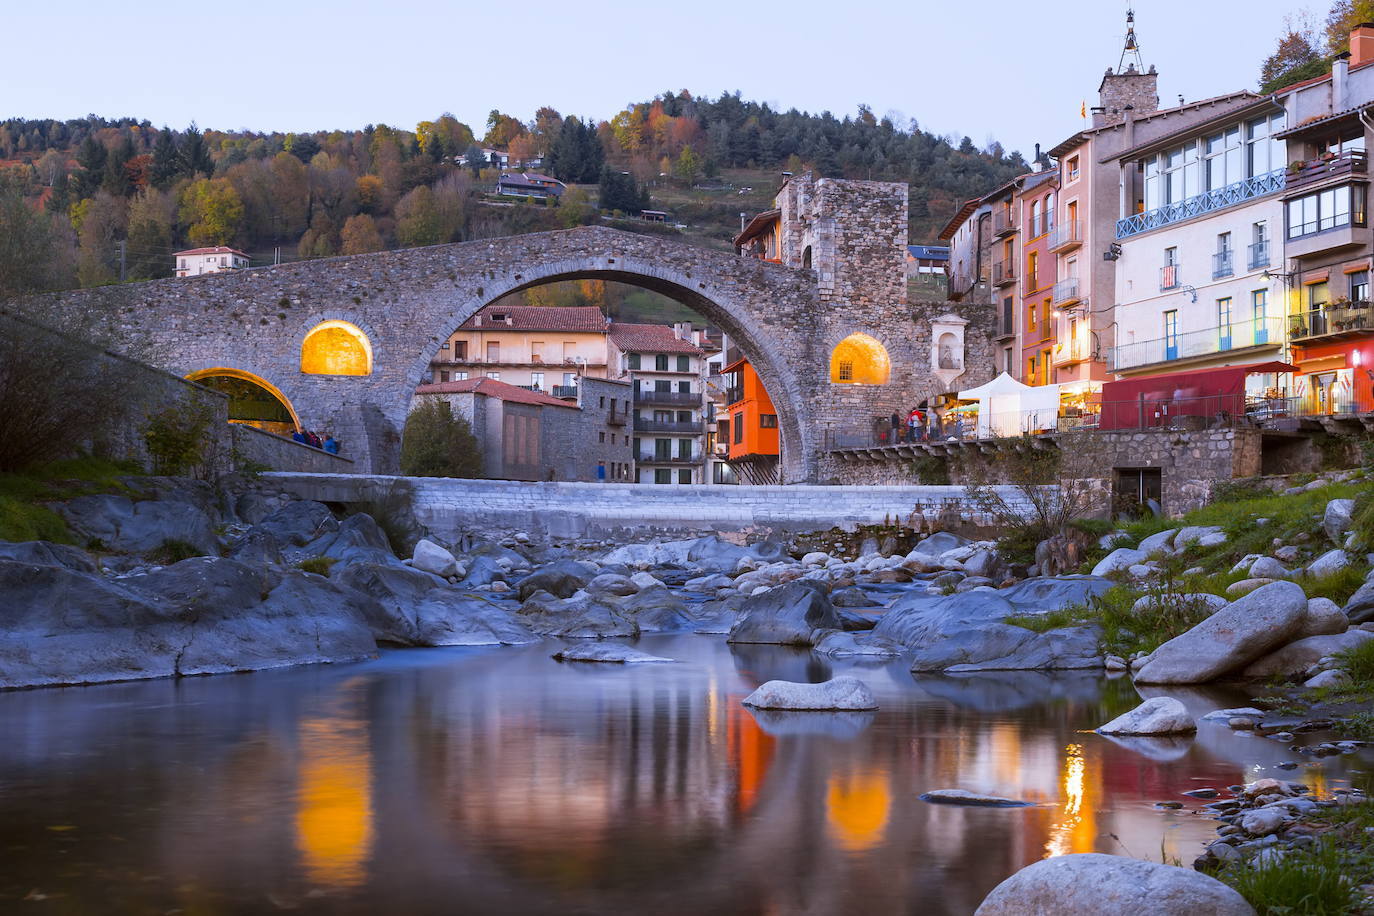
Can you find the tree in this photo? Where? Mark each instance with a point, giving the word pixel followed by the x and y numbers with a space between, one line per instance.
pixel 476 159
pixel 687 166
pixel 166 160
pixel 102 226
pixel 34 254
pixel 438 443
pixel 90 159
pixel 212 211
pixel 618 191
pixel 576 155
pixel 360 235
pixel 1343 16
pixel 1296 58
pixel 302 146
pixel 575 209
pixel 370 193
pixel 193 154
pixel 501 130
pixel 417 219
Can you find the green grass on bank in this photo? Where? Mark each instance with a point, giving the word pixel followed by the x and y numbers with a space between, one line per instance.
pixel 1293 519
pixel 23 513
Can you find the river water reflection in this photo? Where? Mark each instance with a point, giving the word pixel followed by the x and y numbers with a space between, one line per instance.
pixel 498 780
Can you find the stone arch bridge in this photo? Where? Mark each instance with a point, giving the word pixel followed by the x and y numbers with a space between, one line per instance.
pixel 408 302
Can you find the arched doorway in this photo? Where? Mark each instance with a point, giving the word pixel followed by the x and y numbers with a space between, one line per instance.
pixel 253 401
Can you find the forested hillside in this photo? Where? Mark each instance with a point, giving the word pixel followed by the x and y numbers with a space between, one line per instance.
pixel 87 201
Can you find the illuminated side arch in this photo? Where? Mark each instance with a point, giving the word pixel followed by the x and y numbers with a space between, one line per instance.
pixel 859 360
pixel 243 406
pixel 336 348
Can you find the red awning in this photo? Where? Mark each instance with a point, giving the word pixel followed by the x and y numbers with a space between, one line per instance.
pixel 1153 400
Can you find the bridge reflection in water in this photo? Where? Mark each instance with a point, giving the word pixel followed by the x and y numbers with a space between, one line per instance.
pixel 501 781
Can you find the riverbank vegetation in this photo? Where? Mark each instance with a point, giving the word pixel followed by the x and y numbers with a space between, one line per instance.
pixel 24 497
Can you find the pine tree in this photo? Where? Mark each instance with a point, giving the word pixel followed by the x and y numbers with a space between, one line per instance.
pixel 194 154
pixel 91 159
pixel 166 160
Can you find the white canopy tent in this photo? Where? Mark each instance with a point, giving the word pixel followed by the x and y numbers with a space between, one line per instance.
pixel 1008 408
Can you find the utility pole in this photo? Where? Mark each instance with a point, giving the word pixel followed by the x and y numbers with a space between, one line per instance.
pixel 122 251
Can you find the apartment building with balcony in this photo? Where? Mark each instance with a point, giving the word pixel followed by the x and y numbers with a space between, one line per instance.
pixel 970 235
pixel 1201 209
pixel 1327 234
pixel 666 368
pixel 540 348
pixel 1035 195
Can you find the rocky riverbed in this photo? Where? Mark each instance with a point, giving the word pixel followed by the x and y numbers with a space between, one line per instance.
pixel 177 579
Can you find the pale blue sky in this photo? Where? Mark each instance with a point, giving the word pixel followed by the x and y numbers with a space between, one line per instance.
pixel 984 68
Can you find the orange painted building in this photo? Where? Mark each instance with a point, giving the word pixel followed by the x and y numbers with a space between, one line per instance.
pixel 753 425
pixel 1336 376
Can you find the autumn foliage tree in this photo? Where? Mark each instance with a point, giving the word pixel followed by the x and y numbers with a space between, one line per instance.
pixel 212 211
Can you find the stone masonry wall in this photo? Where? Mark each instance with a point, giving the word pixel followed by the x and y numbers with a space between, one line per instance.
pixel 451 509
pixel 1191 462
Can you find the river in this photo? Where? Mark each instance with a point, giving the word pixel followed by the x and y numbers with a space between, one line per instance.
pixel 497 780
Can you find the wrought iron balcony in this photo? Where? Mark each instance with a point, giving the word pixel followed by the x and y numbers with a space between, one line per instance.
pixel 1004 272
pixel 1041 225
pixel 675 398
pixel 615 418
pixel 1220 339
pixel 734 395
pixel 667 426
pixel 1003 222
pixel 1168 278
pixel 1067 235
pixel 1207 202
pixel 1066 291
pixel 1316 171
pixel 565 391
pixel 1331 320
pixel 1006 321
pixel 655 458
pixel 1259 255
pixel 1222 265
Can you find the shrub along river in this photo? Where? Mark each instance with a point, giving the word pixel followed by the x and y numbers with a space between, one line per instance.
pixel 499 780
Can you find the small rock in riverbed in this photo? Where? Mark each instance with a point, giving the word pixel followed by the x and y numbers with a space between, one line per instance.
pixel 606 652
pixel 973 799
pixel 1156 716
pixel 837 693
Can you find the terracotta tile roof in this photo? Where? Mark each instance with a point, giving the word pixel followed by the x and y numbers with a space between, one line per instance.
pixel 492 388
pixel 650 338
pixel 583 318
pixel 216 250
pixel 958 218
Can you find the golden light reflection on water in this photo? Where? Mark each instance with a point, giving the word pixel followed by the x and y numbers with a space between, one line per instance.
pixel 334 801
pixel 857 807
pixel 1073 830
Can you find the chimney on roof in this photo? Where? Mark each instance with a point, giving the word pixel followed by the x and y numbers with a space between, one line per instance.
pixel 1362 44
pixel 1340 81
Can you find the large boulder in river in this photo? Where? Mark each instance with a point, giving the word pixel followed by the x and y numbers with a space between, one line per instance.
pixel 656 609
pixel 968 632
pixel 202 616
pixel 1231 638
pixel 582 616
pixel 1360 607
pixel 786 615
pixel 1111 886
pixel 45 553
pixel 1324 618
pixel 434 558
pixel 561 578
pixel 1299 656
pixel 938 543
pixel 1156 716
pixel 415 608
pixel 127 526
pixel 298 523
